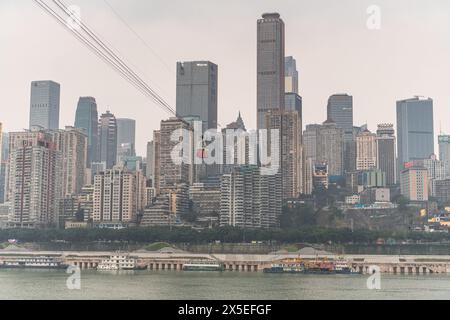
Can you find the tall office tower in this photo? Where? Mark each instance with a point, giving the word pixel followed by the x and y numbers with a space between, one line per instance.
pixel 126 138
pixel 414 130
pixel 444 152
pixel 34 181
pixel 86 118
pixel 340 110
pixel 291 75
pixel 197 91
pixel 72 143
pixel 366 151
pixel 44 104
pixel 118 195
pixel 330 146
pixel 174 171
pixel 150 161
pixel 107 130
pixel 270 65
pixel 289 125
pixel 386 154
pixel 249 199
pixel 4 167
pixel 414 183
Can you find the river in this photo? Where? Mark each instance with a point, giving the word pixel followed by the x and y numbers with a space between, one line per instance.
pixel 152 285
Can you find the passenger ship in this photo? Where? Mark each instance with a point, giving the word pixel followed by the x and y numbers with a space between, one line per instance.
pixel 118 262
pixel 203 265
pixel 33 263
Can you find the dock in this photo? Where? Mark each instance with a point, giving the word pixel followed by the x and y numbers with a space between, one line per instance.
pixel 388 264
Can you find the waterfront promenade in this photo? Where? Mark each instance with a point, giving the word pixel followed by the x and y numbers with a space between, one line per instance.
pixel 174 261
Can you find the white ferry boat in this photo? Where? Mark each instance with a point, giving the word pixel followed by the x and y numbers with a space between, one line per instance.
pixel 203 265
pixel 32 262
pixel 118 262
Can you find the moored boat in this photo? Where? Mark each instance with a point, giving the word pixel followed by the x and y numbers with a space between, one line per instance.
pixel 203 265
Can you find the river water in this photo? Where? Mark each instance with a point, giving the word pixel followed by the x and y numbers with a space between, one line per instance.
pixel 151 285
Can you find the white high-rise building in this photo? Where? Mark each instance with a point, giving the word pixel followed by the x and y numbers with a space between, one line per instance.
pixel 366 151
pixel 249 199
pixel 414 184
pixel 34 180
pixel 118 195
pixel 73 145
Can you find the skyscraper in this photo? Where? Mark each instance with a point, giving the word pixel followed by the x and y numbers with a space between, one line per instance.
pixel 126 138
pixel 386 156
pixel 444 152
pixel 86 118
pixel 270 65
pixel 340 110
pixel 44 104
pixel 415 129
pixel 197 91
pixel 107 129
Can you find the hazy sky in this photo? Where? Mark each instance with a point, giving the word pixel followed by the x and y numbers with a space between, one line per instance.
pixel 335 52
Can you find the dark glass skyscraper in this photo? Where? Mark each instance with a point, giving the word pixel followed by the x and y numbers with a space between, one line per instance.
pixel 86 118
pixel 270 65
pixel 107 129
pixel 197 91
pixel 415 129
pixel 44 104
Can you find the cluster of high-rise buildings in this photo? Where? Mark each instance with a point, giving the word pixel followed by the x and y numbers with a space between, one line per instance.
pixel 89 174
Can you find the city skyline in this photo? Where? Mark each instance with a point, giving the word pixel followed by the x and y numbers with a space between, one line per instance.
pixel 383 47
